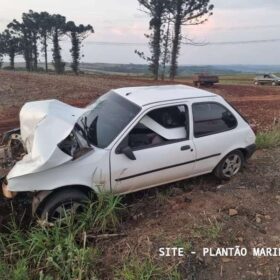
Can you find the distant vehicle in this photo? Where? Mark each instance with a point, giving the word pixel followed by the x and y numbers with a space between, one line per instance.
pixel 130 139
pixel 205 80
pixel 267 79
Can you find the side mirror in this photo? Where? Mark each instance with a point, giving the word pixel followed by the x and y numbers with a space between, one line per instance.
pixel 129 153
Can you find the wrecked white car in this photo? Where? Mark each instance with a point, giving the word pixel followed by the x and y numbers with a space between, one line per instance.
pixel 128 140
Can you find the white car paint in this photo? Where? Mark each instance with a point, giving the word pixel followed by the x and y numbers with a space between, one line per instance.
pixel 45 124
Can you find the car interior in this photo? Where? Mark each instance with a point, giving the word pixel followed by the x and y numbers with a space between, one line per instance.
pixel 169 118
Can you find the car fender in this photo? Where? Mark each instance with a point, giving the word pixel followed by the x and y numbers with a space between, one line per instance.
pixel 91 170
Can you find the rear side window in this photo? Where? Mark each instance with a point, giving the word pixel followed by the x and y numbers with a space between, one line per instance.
pixel 211 118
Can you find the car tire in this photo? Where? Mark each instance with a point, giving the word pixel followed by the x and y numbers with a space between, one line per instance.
pixel 54 206
pixel 230 165
pixel 256 83
pixel 274 84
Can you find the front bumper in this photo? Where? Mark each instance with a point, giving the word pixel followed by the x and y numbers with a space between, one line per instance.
pixel 250 150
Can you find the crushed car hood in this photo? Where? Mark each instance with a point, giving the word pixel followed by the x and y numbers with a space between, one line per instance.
pixel 44 124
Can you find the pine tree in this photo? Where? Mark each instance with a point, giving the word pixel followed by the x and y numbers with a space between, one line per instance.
pixel 58 30
pixel 77 35
pixel 11 46
pixel 185 12
pixel 157 11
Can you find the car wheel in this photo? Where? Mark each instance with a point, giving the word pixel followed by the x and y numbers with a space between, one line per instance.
pixel 256 83
pixel 230 165
pixel 274 84
pixel 61 202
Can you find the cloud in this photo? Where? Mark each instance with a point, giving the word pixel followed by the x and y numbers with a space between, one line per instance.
pixel 246 4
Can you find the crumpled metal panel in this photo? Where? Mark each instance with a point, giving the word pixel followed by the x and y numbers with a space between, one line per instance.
pixel 44 124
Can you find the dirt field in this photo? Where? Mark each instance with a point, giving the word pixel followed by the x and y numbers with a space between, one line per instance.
pixel 194 213
pixel 260 104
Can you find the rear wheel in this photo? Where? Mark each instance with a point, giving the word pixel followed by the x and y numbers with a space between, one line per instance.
pixel 274 84
pixel 230 165
pixel 58 204
pixel 256 83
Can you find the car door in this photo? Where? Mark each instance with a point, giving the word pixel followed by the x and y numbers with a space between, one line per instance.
pixel 159 148
pixel 214 133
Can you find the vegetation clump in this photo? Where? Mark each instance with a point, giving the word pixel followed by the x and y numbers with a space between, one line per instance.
pixel 59 250
pixel 268 139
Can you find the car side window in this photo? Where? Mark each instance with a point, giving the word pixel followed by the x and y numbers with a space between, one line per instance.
pixel 159 127
pixel 211 118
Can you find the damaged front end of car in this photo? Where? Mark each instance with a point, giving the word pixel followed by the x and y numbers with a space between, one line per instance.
pixel 49 136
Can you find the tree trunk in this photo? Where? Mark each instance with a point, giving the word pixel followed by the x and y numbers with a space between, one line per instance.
pixel 35 53
pixel 45 44
pixel 58 65
pixel 166 51
pixel 27 52
pixel 176 40
pixel 75 51
pixel 175 48
pixel 12 60
pixel 156 48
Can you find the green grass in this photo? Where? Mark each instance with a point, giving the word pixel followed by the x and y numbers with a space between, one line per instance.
pixel 181 243
pixel 209 232
pixel 269 139
pixel 58 250
pixel 139 270
pixel 238 79
pixel 136 269
pixel 106 210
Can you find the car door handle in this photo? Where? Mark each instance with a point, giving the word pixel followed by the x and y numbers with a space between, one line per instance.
pixel 185 148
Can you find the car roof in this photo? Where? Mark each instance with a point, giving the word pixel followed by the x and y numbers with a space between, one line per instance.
pixel 155 94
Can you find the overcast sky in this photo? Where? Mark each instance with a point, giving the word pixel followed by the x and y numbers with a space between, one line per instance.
pixel 121 21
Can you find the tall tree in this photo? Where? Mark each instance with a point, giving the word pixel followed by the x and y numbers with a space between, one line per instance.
pixel 45 28
pixel 185 12
pixel 31 23
pixel 157 11
pixel 12 46
pixel 77 35
pixel 58 30
pixel 21 31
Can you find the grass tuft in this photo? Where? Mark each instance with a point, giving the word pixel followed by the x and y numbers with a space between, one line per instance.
pixel 269 139
pixel 136 269
pixel 210 232
pixel 139 270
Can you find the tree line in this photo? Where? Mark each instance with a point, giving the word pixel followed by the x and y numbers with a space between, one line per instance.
pixel 167 17
pixel 32 35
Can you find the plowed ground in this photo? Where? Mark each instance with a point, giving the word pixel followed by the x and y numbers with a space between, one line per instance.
pixel 260 104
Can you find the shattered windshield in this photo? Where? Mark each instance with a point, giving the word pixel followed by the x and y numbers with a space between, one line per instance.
pixel 108 116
